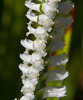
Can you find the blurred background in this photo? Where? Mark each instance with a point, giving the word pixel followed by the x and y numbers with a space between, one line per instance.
pixel 13 27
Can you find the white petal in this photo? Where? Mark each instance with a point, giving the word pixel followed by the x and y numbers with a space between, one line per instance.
pixel 30 28
pixel 63 62
pixel 46 22
pixel 57 74
pixel 15 99
pixel 35 56
pixel 48 10
pixel 40 30
pixel 58 32
pixel 54 92
pixel 64 21
pixel 55 60
pixel 32 5
pixel 29 81
pixel 38 65
pixel 25 57
pixel 30 95
pixel 28 84
pixel 39 45
pixel 25 98
pixel 32 72
pixel 65 7
pixel 24 68
pixel 27 44
pixel 56 44
pixel 31 16
pixel 30 58
pixel 26 90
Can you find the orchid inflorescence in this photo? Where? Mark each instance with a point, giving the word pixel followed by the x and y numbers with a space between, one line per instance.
pixel 48 21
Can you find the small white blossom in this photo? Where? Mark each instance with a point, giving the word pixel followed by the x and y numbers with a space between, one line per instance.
pixel 54 92
pixel 63 22
pixel 32 5
pixel 46 22
pixel 30 58
pixel 57 60
pixel 25 98
pixel 28 44
pixel 59 74
pixel 65 7
pixel 31 16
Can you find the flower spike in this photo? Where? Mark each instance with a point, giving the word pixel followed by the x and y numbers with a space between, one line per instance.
pixel 48 27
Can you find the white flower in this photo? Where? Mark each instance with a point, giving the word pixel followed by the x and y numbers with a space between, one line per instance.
pixel 54 92
pixel 26 90
pixel 49 11
pixel 32 5
pixel 65 7
pixel 39 44
pixel 56 44
pixel 57 60
pixel 30 58
pixel 39 65
pixel 24 68
pixel 29 83
pixel 41 33
pixel 31 16
pixel 58 32
pixel 57 74
pixel 25 98
pixel 30 95
pixel 30 28
pixel 28 44
pixel 63 62
pixel 46 22
pixel 63 22
pixel 31 72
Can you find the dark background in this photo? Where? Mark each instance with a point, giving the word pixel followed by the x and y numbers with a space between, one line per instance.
pixel 13 26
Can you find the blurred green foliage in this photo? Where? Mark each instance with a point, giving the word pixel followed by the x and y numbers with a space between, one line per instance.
pixel 12 30
pixel 13 26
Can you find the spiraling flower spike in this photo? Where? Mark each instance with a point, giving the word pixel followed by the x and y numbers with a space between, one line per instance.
pixel 47 26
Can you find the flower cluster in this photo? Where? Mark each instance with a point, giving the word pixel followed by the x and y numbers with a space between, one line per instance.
pixel 46 21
